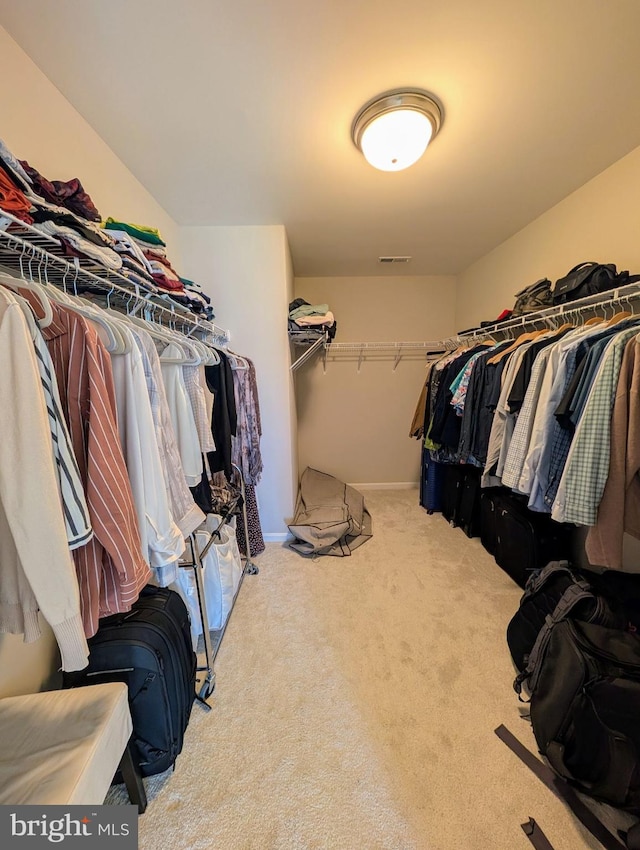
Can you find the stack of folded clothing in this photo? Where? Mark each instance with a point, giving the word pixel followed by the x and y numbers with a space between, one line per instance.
pixel 154 251
pixel 310 321
pixel 144 254
pixel 63 210
pixel 198 301
pixel 60 209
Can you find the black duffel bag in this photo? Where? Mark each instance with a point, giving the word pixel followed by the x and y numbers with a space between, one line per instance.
pixel 587 279
pixel 584 682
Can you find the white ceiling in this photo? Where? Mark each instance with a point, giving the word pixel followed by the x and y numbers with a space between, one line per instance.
pixel 239 112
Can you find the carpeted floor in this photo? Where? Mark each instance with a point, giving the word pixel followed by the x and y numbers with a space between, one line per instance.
pixel 355 706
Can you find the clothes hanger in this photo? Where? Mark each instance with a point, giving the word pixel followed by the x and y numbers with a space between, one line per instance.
pixel 116 342
pixel 240 364
pixel 526 337
pixel 168 336
pixel 15 285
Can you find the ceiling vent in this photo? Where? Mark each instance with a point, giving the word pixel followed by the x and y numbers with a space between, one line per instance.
pixel 394 259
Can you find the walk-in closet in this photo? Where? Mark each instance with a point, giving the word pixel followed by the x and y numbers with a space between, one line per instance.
pixel 319 455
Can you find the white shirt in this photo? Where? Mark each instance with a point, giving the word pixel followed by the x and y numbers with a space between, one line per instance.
pixel 490 476
pixel 184 423
pixel 161 539
pixel 186 513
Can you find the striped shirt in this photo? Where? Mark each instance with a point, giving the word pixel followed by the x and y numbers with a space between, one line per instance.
pixel 74 504
pixel 110 567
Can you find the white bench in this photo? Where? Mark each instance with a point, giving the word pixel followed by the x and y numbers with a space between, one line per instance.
pixel 64 747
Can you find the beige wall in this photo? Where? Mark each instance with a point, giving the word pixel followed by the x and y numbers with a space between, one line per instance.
pixel 355 425
pixel 246 271
pixel 39 125
pixel 600 222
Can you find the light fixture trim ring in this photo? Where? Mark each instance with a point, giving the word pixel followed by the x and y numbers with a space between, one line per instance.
pixel 391 101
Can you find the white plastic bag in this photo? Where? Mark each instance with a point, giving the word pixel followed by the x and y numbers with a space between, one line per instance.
pixel 222 571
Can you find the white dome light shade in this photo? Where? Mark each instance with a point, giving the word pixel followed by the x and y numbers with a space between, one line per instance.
pixel 394 129
pixel 396 139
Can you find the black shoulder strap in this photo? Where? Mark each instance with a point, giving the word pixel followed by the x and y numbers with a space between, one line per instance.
pixel 536 836
pixel 539 579
pixel 573 594
pixel 565 792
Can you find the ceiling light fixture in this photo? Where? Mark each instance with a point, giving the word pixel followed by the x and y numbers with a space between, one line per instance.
pixel 394 129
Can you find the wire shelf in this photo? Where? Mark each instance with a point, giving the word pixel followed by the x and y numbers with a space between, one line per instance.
pixel 28 252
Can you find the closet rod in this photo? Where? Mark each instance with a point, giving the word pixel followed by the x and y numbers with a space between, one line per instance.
pixel 620 295
pixel 25 249
pixel 440 345
pixel 306 355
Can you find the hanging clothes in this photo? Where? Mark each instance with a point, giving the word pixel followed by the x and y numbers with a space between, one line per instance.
pixel 246 444
pixel 184 510
pixel 110 567
pixel 37 570
pixel 74 503
pixel 256 540
pixel 184 423
pixel 197 391
pixel 224 420
pixel 161 540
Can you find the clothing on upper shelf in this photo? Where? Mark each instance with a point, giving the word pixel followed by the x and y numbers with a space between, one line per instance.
pixel 64 193
pixel 316 319
pixel 304 309
pixel 99 253
pixel 139 231
pixel 13 200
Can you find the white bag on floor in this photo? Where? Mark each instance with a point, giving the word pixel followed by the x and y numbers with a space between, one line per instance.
pixel 222 571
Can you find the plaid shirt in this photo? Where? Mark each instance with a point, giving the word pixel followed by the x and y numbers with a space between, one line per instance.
pixel 562 437
pixel 585 473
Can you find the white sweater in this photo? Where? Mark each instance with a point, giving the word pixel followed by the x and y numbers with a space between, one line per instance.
pixel 36 568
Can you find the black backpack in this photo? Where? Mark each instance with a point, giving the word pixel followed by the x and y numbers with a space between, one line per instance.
pixel 584 682
pixel 557 592
pixel 589 279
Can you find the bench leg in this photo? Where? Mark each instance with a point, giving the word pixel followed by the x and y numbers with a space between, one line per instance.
pixel 133 780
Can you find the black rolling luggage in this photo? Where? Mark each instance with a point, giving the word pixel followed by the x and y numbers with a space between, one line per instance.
pixel 489 507
pixel 149 649
pixel 469 509
pixel 452 479
pixel 526 541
